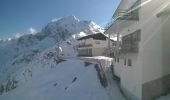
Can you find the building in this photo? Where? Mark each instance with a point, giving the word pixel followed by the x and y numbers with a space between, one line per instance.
pixel 94 45
pixel 143 52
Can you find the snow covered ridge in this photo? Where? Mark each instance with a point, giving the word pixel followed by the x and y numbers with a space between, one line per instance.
pixel 19 55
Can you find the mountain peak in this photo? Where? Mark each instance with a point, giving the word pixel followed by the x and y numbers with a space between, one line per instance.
pixel 24 49
pixel 67 18
pixel 71 24
pixel 72 18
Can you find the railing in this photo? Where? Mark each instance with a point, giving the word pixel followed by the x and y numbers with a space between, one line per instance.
pixel 85 45
pixel 131 14
pixel 128 16
pixel 131 48
pixel 130 42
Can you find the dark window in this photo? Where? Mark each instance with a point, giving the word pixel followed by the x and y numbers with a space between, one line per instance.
pixel 130 42
pixel 125 61
pixel 89 52
pixel 113 44
pixel 129 62
pixel 97 42
pixel 117 59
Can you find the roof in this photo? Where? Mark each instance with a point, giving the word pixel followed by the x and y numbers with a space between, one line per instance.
pixel 123 5
pixel 117 9
pixel 97 36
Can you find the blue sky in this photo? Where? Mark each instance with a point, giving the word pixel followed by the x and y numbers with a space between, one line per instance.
pixel 24 16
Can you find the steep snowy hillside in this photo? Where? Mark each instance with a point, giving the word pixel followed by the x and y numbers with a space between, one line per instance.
pixel 17 53
pixel 67 80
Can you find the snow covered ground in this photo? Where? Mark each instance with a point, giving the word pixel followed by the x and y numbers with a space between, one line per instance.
pixel 69 80
pixel 112 89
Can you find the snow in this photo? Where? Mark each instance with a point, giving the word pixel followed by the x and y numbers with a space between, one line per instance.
pixel 15 50
pixel 81 34
pixel 57 83
pixel 72 25
pixel 113 89
pixel 56 19
pixel 32 61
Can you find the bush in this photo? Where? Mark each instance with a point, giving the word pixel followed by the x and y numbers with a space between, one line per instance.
pixel 1 89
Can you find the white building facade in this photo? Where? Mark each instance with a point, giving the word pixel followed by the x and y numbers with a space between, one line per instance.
pixel 94 45
pixel 143 54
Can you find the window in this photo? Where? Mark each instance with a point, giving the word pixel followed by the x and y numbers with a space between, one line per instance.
pixel 97 42
pixel 113 44
pixel 130 42
pixel 129 62
pixel 89 52
pixel 136 36
pixel 117 59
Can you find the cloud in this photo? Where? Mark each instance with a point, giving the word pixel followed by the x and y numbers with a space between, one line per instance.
pixel 9 39
pixel 32 30
pixel 17 35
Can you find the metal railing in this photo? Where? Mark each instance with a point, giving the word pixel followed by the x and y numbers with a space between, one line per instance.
pixel 131 14
pixel 85 45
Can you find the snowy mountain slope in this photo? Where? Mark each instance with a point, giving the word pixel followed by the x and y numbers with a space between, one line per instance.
pixel 54 31
pixel 18 52
pixel 46 77
pixel 68 80
pixel 72 25
pixel 32 68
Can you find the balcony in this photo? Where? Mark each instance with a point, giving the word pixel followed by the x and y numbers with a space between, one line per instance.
pixel 85 45
pixel 126 16
pixel 130 14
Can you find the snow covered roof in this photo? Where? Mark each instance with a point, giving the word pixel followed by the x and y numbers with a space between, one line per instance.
pixel 98 36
